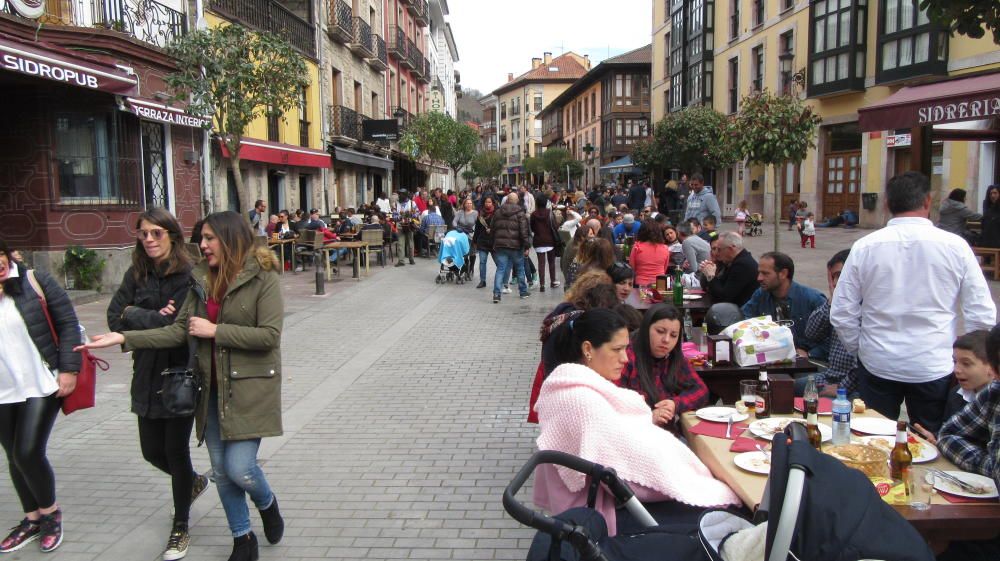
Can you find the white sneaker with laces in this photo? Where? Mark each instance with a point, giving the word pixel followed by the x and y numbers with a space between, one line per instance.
pixel 506 290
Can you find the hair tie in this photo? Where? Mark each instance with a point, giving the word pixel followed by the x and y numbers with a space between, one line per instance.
pixel 571 324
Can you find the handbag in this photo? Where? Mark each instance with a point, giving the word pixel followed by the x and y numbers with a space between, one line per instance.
pixel 85 394
pixel 181 387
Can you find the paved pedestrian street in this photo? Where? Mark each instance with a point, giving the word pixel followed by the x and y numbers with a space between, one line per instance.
pixel 404 406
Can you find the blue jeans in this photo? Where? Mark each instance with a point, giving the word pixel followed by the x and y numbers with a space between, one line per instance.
pixel 483 254
pixel 235 472
pixel 507 258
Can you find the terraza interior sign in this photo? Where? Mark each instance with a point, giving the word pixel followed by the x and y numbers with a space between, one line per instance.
pixel 961 111
pixel 170 115
pixel 32 61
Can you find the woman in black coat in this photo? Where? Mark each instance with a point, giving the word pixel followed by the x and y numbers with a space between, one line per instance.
pixel 990 236
pixel 152 291
pixel 35 374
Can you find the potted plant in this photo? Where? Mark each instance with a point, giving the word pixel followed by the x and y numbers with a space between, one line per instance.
pixel 82 268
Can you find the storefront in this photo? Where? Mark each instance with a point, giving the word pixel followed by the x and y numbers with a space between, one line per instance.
pixel 367 173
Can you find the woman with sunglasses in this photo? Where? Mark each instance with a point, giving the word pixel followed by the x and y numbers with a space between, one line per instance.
pixel 234 309
pixel 152 291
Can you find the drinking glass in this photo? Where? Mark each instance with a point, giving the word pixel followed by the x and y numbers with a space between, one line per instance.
pixel 748 393
pixel 921 487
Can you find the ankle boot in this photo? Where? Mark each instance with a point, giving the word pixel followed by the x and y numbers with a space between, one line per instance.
pixel 274 525
pixel 245 548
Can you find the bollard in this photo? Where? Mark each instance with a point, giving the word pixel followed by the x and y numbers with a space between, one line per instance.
pixel 320 280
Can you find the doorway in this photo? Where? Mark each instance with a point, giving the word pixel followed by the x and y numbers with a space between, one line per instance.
pixel 275 198
pixel 377 186
pixel 841 183
pixel 305 193
pixel 154 166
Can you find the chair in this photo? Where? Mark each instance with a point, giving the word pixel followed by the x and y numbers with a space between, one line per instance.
pixel 989 260
pixel 310 245
pixel 373 238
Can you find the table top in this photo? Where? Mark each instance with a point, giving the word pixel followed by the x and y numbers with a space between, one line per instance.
pixel 272 241
pixel 801 364
pixel 344 245
pixel 700 304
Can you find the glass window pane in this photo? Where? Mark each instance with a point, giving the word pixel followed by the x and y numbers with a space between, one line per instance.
pixel 845 28
pixel 906 51
pixel 820 7
pixel 817 72
pixel 892 15
pixel 906 14
pixel 889 55
pixel 922 18
pixel 831 70
pixel 842 66
pixel 923 48
pixel 831 31
pixel 844 4
pixel 859 65
pixel 820 34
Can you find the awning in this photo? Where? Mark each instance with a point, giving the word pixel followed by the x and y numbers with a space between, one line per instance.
pixel 621 165
pixel 156 111
pixel 281 154
pixel 962 99
pixel 349 156
pixel 64 66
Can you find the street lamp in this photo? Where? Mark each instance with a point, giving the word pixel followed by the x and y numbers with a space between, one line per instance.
pixel 400 115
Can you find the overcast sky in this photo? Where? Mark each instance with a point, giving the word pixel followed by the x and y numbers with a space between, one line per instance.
pixel 497 37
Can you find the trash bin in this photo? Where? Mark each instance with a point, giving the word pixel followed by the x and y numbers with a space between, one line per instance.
pixel 869 200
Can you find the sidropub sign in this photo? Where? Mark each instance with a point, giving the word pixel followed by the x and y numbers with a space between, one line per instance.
pixel 63 67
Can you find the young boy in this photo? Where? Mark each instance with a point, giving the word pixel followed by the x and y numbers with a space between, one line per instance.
pixel 708 232
pixel 809 231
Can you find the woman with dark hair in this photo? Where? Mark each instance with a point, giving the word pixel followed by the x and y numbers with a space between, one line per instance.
pixel 650 255
pixel 235 310
pixel 594 254
pixel 673 242
pixel 623 276
pixel 568 262
pixel 954 215
pixel 990 235
pixel 152 291
pixel 545 238
pixel 658 370
pixel 484 236
pixel 35 374
pixel 582 411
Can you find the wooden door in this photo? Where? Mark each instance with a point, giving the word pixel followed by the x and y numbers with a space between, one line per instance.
pixel 841 183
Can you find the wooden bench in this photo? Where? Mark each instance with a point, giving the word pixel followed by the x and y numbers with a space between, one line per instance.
pixel 989 260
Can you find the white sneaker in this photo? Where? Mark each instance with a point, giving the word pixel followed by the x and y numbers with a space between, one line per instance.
pixel 298 269
pixel 506 290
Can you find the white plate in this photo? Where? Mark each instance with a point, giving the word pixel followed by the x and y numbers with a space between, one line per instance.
pixel 767 428
pixel 928 452
pixel 720 414
pixel 873 425
pixel 754 462
pixel 942 484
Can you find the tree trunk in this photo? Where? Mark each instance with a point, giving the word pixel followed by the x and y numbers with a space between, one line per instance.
pixel 777 207
pixel 234 166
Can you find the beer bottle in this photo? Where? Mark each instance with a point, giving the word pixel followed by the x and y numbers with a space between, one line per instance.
pixel 763 407
pixel 678 288
pixel 812 425
pixel 900 458
pixel 810 394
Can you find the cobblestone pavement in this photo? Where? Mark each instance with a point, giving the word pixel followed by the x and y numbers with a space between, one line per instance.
pixel 404 405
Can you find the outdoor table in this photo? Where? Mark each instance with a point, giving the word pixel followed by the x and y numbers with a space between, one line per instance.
pixel 724 380
pixel 943 522
pixel 698 307
pixel 355 248
pixel 280 244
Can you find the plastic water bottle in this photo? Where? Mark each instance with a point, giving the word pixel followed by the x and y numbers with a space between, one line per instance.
pixel 841 418
pixel 688 326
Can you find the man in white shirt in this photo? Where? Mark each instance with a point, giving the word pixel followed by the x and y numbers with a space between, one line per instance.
pixel 895 305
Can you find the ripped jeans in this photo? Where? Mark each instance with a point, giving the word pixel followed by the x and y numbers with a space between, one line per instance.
pixel 235 472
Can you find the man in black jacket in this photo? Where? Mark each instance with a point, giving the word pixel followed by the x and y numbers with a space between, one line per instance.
pixel 731 273
pixel 511 240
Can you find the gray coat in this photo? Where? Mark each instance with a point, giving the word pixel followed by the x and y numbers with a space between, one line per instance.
pixel 954 215
pixel 59 357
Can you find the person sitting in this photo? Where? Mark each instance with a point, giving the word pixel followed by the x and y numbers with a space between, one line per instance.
pixel 650 255
pixel 628 228
pixel 673 241
pixel 593 254
pixel 658 370
pixel 581 411
pixel 989 235
pixel 695 249
pixel 708 232
pixel 840 362
pixel 953 215
pixel 780 297
pixel 272 226
pixel 313 222
pixel 731 274
pixel 423 235
pixel 623 276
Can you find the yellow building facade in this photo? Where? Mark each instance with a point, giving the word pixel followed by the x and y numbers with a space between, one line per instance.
pixel 841 56
pixel 660 77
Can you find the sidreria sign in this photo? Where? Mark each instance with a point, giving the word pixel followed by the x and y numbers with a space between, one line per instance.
pixel 31 9
pixel 960 111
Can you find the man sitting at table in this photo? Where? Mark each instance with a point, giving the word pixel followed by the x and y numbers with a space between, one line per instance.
pixel 784 299
pixel 431 218
pixel 628 227
pixel 731 273
pixel 696 250
pixel 840 362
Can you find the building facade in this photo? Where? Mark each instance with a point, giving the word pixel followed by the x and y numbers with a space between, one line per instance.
pixel 601 116
pixel 489 136
pixel 442 93
pixel 660 56
pixel 521 99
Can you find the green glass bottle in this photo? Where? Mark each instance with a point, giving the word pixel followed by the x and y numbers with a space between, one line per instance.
pixel 678 288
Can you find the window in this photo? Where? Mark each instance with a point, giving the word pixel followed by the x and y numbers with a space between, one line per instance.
pixel 691 46
pixel 836 46
pixel 734 85
pixel 909 44
pixel 503 110
pixel 734 19
pixel 515 106
pixel 666 55
pixel 758 12
pixel 593 105
pixel 404 102
pixel 96 155
pixel 273 125
pixel 304 116
pixel 787 5
pixel 786 59
pixel 757 68
pixel 503 132
pixel 538 102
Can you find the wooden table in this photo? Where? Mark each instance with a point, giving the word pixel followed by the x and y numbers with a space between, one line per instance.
pixel 940 524
pixel 698 307
pixel 281 244
pixel 724 380
pixel 355 248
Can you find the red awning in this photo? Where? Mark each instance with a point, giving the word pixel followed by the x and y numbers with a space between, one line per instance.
pixel 64 66
pixel 156 111
pixel 962 99
pixel 281 154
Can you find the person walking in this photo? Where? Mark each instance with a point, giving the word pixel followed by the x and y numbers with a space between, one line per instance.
pixel 234 309
pixel 484 237
pixel 702 203
pixel 545 239
pixel 405 212
pixel 880 317
pixel 511 240
pixel 741 217
pixel 151 292
pixel 36 372
pixel 465 222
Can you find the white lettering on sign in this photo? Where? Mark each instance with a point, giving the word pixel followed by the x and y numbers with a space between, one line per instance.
pixel 169 117
pixel 965 110
pixel 43 70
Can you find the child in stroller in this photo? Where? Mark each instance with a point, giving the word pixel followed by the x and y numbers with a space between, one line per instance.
pixel 454 258
pixel 754 225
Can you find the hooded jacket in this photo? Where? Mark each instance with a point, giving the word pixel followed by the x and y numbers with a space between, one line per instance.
pixel 953 215
pixel 247 353
pixel 702 204
pixel 510 228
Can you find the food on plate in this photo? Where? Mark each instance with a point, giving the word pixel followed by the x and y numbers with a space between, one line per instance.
pixel 859 405
pixel 741 407
pixel 916 447
pixel 870 460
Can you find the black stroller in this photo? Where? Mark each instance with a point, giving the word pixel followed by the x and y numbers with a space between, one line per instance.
pixel 814 509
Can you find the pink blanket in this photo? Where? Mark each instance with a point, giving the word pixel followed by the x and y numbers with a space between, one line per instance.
pixel 583 414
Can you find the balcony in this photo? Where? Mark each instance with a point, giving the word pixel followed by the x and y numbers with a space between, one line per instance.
pixel 552 135
pixel 397 44
pixel 361 44
pixel 340 21
pixel 408 61
pixel 345 124
pixel 269 15
pixel 146 20
pixel 503 137
pixel 514 159
pixel 379 61
pixel 418 9
pixel 423 71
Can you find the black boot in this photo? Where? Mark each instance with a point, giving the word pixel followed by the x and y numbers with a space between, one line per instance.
pixel 245 548
pixel 274 525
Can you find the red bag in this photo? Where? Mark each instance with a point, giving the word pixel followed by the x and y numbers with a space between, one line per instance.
pixel 84 394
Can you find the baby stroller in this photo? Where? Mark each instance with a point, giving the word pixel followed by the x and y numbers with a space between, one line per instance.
pixel 754 225
pixel 454 258
pixel 814 508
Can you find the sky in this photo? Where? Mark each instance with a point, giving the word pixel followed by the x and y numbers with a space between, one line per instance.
pixel 497 37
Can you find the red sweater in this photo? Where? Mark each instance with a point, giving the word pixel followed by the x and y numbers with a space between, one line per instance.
pixel 649 260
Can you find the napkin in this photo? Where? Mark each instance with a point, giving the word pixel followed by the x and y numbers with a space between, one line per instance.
pixel 962 500
pixel 717 430
pixel 825 405
pixel 743 444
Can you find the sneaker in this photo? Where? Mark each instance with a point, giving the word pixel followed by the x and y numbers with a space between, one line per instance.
pixel 198 487
pixel 21 535
pixel 496 299
pixel 555 284
pixel 541 289
pixel 525 295
pixel 274 524
pixel 177 544
pixel 482 284
pixel 298 269
pixel 400 264
pixel 51 531
pixel 506 290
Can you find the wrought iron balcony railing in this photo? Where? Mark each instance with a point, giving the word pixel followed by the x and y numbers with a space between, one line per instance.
pixel 146 20
pixel 397 43
pixel 340 21
pixel 344 123
pixel 412 53
pixel 269 15
pixel 379 60
pixel 418 9
pixel 362 41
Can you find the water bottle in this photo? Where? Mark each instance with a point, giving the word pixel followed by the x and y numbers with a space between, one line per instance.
pixel 688 326
pixel 841 418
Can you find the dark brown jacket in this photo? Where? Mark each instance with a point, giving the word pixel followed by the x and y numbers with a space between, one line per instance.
pixel 510 228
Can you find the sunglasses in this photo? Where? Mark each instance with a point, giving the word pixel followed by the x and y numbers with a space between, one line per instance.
pixel 157 234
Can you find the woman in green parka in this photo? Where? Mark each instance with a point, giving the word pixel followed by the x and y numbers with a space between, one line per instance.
pixel 235 311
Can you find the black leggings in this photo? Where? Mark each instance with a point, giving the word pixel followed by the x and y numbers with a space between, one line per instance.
pixel 165 444
pixel 24 434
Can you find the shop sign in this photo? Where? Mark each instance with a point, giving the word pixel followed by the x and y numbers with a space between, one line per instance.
pixel 162 113
pixel 31 9
pixel 50 66
pixel 897 140
pixel 437 101
pixel 961 111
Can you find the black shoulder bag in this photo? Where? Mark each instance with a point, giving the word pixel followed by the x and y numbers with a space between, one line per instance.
pixel 181 388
